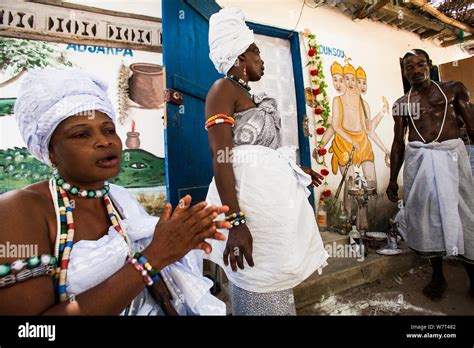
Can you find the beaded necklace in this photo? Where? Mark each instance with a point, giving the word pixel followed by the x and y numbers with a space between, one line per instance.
pixel 73 190
pixel 66 236
pixel 239 82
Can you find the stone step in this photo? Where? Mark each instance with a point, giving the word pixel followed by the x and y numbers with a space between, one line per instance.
pixel 328 239
pixel 345 273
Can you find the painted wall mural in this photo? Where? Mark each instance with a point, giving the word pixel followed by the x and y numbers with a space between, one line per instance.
pixel 136 86
pixel 345 130
pixel 353 132
pixel 17 56
pixel 351 121
pixel 351 115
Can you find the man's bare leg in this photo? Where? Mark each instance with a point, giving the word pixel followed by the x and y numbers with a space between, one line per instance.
pixel 470 272
pixel 437 287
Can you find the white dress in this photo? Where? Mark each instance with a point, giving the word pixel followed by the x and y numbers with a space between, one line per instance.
pixel 272 191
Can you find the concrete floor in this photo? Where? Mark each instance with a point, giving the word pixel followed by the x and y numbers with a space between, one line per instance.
pixel 400 295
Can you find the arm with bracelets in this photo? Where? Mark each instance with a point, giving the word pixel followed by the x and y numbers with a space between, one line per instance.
pixel 220 105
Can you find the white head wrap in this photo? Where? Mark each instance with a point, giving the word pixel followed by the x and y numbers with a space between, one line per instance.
pixel 229 37
pixel 49 96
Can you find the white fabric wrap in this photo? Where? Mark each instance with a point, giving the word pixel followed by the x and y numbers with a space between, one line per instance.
pixel 271 190
pixel 49 96
pixel 229 37
pixel 439 202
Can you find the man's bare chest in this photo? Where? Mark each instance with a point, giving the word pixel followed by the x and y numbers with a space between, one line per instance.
pixel 429 103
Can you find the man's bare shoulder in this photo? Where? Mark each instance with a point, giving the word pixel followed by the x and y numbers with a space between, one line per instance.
pixel 458 87
pixel 402 100
pixel 451 84
pixel 398 108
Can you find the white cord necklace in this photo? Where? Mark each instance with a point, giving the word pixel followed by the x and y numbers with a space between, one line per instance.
pixel 444 117
pixel 53 189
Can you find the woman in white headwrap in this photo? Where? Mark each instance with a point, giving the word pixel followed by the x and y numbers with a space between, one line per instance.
pixel 109 255
pixel 274 231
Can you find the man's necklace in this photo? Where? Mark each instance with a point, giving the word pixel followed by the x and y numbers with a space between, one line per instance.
pixel 444 117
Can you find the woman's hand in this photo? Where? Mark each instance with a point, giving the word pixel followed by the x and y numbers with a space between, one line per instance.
pixel 239 244
pixel 184 230
pixel 316 178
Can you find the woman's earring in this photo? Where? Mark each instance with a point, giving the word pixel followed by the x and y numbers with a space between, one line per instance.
pixel 55 168
pixel 245 71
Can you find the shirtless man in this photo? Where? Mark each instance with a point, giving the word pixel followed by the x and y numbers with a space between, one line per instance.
pixel 437 219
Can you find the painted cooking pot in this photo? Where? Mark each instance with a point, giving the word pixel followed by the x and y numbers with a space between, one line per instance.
pixel 146 85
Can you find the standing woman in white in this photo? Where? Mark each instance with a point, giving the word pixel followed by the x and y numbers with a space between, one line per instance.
pixel 274 239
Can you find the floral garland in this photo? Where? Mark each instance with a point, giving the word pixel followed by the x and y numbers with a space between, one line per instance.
pixel 320 105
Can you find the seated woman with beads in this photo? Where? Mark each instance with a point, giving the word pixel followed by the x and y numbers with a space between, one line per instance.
pixel 99 252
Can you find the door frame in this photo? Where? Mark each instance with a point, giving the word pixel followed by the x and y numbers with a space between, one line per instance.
pixel 204 8
pixel 293 37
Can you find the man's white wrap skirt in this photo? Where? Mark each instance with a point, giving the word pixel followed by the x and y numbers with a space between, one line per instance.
pixel 439 199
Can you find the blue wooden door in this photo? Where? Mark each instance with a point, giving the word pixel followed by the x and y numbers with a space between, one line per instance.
pixel 190 71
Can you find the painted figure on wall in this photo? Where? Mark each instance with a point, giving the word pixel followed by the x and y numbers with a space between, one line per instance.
pixel 373 123
pixel 351 125
pixel 361 77
pixel 351 129
pixel 337 74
